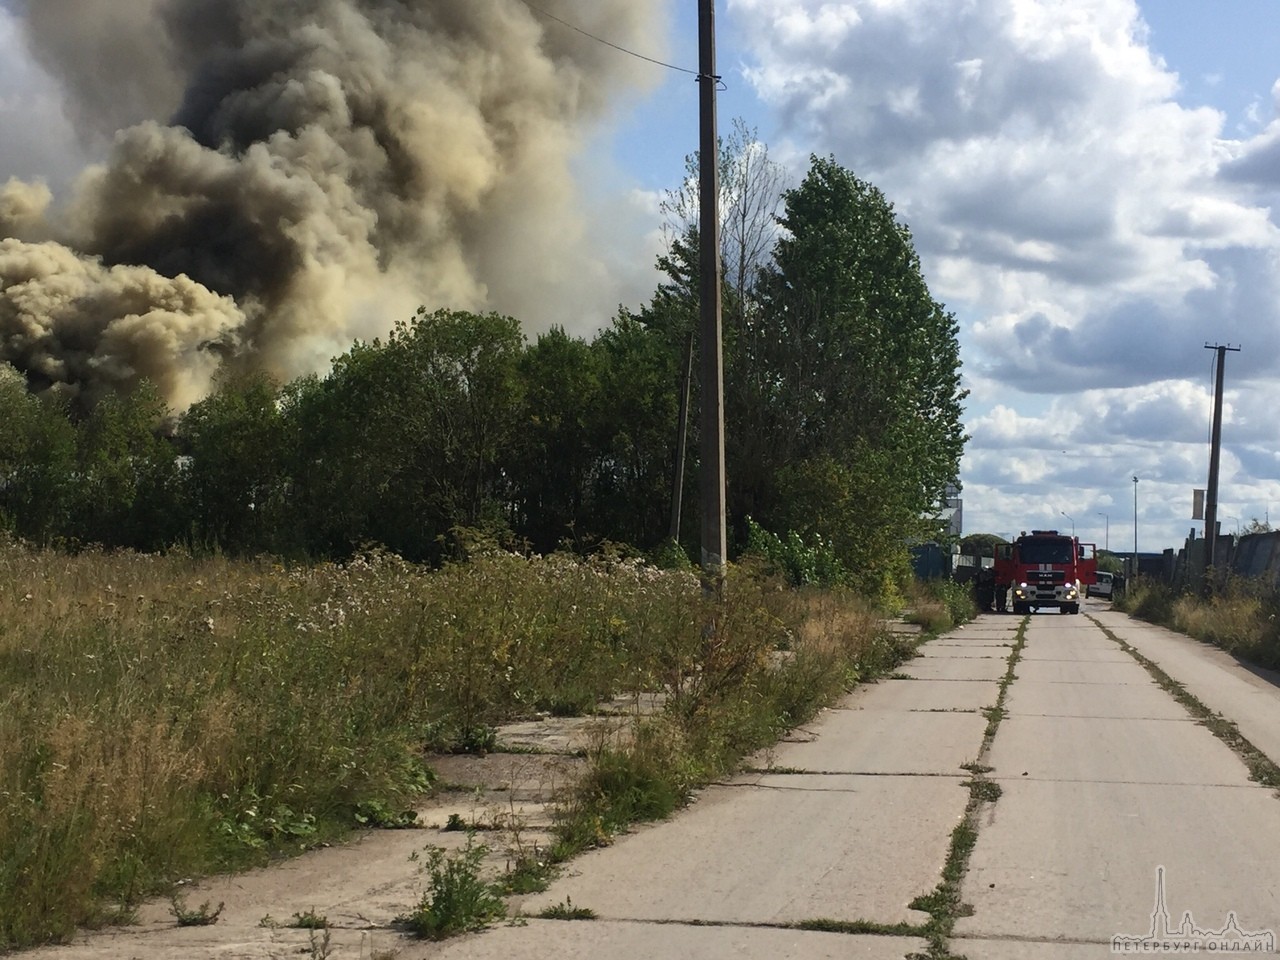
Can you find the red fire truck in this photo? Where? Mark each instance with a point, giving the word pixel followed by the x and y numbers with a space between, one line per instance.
pixel 1044 569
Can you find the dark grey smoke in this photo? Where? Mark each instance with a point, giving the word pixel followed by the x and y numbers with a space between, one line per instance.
pixel 287 175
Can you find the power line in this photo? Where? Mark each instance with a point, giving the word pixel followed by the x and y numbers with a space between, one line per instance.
pixel 609 43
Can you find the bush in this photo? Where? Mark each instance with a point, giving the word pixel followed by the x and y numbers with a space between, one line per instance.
pixel 459 901
pixel 939 605
pixel 802 563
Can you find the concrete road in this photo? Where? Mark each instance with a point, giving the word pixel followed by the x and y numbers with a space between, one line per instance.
pixel 1118 816
pixel 847 822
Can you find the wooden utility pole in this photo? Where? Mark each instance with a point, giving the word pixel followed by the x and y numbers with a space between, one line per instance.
pixel 714 541
pixel 1215 452
pixel 682 440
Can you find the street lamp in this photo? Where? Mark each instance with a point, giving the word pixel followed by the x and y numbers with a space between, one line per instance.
pixel 1073 523
pixel 1107 543
pixel 1134 571
pixel 1237 520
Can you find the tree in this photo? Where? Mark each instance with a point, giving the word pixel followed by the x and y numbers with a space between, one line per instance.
pixel 848 373
pixel 635 434
pixel 126 491
pixel 981 544
pixel 408 438
pixel 235 474
pixel 37 461
pixel 556 440
pixel 751 186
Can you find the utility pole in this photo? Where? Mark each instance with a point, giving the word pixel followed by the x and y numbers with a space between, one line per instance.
pixel 714 541
pixel 1215 452
pixel 682 440
pixel 1133 570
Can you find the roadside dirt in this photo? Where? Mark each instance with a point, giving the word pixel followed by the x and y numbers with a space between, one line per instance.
pixel 361 886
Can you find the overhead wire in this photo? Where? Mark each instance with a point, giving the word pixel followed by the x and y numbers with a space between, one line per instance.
pixel 609 43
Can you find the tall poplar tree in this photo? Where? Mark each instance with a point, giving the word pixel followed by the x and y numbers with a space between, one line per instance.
pixel 848 422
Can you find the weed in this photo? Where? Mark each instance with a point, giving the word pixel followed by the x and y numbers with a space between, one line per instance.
pixel 859 927
pixel 459 901
pixel 200 917
pixel 455 823
pixel 565 910
pixel 944 904
pixel 309 921
pixel 319 942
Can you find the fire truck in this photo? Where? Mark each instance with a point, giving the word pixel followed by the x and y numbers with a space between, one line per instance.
pixel 1044 569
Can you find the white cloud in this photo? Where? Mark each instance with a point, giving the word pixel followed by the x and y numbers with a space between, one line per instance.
pixel 1090 231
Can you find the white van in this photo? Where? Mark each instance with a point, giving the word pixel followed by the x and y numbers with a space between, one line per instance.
pixel 1102 588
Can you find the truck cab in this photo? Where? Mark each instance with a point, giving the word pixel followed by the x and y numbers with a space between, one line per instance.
pixel 1044 569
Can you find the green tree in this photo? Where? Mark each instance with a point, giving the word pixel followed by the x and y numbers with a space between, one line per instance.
pixel 235 473
pixel 408 438
pixel 847 380
pixel 37 461
pixel 556 441
pixel 635 434
pixel 126 491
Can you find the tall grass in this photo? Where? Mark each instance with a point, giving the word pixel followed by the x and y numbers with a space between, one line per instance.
pixel 769 664
pixel 1241 618
pixel 166 716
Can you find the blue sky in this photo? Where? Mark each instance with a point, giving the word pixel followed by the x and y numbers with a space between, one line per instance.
pixel 1093 186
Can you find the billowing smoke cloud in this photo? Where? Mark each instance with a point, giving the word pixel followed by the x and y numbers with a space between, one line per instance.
pixel 284 175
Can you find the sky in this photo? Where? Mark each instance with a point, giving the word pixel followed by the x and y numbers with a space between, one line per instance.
pixel 1092 186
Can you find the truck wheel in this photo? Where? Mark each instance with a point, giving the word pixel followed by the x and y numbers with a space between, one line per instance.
pixel 1075 608
pixel 1064 609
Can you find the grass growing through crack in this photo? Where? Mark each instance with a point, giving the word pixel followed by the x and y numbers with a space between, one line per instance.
pixel 201 916
pixel 565 910
pixel 944 904
pixel 1261 768
pixel 459 900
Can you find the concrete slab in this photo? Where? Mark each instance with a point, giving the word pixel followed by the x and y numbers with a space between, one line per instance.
pixel 954 668
pixel 982 632
pixel 1077 861
pixel 1102 651
pixel 605 940
pixel 777 849
pixel 1248 696
pixel 1114 751
pixel 1084 671
pixel 966 651
pixel 933 694
pixel 1020 949
pixel 1049 699
pixel 887 741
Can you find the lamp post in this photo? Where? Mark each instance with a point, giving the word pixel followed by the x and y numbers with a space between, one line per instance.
pixel 1237 520
pixel 1107 536
pixel 1073 523
pixel 1134 571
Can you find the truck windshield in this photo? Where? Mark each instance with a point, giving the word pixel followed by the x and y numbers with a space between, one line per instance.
pixel 1045 551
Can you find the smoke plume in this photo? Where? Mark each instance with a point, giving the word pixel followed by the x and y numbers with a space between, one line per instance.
pixel 284 175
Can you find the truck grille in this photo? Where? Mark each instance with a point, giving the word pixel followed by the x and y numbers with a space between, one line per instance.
pixel 1046 577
